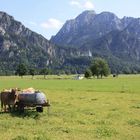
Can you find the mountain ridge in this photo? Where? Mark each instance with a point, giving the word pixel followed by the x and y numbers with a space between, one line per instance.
pixel 104 34
pixel 19 44
pixel 99 25
pixel 80 40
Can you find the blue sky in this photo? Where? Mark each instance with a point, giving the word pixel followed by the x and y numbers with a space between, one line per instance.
pixel 46 17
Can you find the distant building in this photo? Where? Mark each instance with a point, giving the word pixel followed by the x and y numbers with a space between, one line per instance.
pixel 79 77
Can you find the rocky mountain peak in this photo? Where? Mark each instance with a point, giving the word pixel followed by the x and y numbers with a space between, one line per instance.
pixel 5 20
pixel 110 19
pixel 108 15
pixel 86 16
pixel 127 20
pixel 87 25
pixel 5 15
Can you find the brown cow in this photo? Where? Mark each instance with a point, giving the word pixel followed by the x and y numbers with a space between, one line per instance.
pixel 8 98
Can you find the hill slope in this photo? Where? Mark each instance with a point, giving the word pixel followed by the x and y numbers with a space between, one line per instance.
pixel 18 44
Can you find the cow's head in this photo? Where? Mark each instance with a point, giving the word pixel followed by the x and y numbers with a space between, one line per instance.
pixel 14 94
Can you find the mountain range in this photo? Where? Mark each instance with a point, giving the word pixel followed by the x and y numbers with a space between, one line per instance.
pixel 72 49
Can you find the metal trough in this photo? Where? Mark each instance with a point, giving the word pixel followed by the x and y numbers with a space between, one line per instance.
pixel 36 99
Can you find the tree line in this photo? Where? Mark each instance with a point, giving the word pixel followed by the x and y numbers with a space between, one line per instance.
pixel 99 68
pixel 22 70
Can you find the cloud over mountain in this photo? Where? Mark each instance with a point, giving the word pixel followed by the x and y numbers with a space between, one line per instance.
pixel 52 23
pixel 86 4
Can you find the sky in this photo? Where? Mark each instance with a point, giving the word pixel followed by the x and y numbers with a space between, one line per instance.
pixel 46 17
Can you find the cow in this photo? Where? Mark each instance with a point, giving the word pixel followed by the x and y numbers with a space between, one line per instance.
pixel 8 97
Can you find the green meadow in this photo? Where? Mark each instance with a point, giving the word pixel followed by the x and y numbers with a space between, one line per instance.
pixel 88 109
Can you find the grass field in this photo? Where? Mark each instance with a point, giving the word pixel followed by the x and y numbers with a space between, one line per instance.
pixel 94 109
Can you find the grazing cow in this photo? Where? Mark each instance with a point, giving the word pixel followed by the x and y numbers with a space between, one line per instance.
pixel 8 98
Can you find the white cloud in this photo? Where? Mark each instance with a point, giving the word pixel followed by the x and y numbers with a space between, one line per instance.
pixel 75 3
pixel 52 23
pixel 88 5
pixel 85 4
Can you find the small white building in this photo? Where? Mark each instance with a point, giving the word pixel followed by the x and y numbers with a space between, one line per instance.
pixel 79 77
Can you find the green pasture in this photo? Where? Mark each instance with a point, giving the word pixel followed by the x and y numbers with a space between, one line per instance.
pixel 88 109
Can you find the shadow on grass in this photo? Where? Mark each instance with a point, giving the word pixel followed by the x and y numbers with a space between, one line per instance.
pixel 26 114
pixel 4 113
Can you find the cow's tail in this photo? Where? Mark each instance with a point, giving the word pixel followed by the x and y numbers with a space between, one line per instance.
pixel 1 102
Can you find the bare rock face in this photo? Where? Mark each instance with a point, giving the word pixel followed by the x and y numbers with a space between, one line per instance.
pixel 87 25
pixel 9 27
